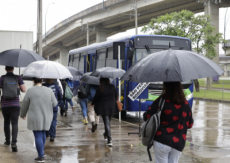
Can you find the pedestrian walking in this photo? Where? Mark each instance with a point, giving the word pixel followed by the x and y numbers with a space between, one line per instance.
pixel 38 106
pixel 54 87
pixel 11 86
pixel 93 117
pixel 105 105
pixel 66 100
pixel 82 96
pixel 176 119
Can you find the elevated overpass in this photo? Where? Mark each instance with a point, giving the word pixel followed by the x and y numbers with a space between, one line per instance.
pixel 117 16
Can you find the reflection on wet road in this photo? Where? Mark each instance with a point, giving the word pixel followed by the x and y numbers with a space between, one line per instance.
pixel 207 142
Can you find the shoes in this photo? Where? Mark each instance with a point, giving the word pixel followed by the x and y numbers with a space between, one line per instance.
pixel 65 113
pixel 39 159
pixel 109 143
pixel 83 120
pixel 94 127
pixel 86 122
pixel 6 144
pixel 14 148
pixel 52 139
pixel 105 137
pixel 73 108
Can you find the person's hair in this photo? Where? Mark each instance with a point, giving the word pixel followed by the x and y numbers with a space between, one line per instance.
pixel 103 83
pixel 49 81
pixel 37 80
pixel 173 91
pixel 9 68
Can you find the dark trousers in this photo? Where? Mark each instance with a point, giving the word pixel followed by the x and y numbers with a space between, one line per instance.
pixel 11 115
pixel 106 120
pixel 52 131
pixel 40 140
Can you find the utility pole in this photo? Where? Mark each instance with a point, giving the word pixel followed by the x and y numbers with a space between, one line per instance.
pixel 87 34
pixel 39 27
pixel 136 20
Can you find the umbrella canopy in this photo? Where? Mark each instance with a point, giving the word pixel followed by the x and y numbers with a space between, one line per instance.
pixel 108 72
pixel 18 57
pixel 74 71
pixel 47 70
pixel 86 78
pixel 172 65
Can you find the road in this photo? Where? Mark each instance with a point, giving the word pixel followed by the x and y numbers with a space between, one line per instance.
pixel 207 142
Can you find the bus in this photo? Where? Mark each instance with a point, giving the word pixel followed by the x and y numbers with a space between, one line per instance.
pixel 98 55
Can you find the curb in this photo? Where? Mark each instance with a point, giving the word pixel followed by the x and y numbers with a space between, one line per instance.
pixel 216 89
pixel 211 100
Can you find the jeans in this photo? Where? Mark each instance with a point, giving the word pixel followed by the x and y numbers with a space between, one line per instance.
pixel 52 131
pixel 11 116
pixel 66 103
pixel 40 140
pixel 106 120
pixel 83 103
pixel 165 154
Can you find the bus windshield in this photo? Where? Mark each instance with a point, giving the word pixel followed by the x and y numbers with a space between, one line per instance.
pixel 141 53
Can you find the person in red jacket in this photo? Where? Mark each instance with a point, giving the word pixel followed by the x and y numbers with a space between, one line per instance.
pixel 176 119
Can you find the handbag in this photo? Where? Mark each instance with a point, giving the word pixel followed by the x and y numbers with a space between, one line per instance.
pixel 150 127
pixel 119 105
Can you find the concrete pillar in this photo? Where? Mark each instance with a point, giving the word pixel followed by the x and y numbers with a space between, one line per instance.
pixel 64 56
pixel 212 9
pixel 101 36
pixel 226 69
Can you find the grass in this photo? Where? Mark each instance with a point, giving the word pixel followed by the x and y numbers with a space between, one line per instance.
pixel 218 95
pixel 221 84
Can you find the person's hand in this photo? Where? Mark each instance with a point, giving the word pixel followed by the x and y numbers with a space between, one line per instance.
pixel 24 118
pixel 92 105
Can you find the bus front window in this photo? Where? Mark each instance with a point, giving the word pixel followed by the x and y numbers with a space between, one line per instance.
pixel 141 53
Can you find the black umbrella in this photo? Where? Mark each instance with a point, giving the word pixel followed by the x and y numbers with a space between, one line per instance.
pixel 108 72
pixel 74 71
pixel 86 78
pixel 172 65
pixel 18 57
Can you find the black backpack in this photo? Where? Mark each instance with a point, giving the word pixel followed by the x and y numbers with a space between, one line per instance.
pixel 10 88
pixel 81 92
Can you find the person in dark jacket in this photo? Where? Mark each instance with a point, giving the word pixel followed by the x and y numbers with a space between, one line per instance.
pixel 176 119
pixel 54 87
pixel 105 105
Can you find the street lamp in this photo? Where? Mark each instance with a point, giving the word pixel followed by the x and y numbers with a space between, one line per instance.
pixel 45 17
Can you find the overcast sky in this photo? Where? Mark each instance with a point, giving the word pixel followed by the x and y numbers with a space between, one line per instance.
pixel 21 15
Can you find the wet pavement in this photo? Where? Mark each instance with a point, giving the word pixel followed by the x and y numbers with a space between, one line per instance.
pixel 207 142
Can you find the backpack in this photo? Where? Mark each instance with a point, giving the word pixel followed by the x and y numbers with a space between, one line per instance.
pixel 10 88
pixel 92 92
pixel 68 93
pixel 150 127
pixel 82 92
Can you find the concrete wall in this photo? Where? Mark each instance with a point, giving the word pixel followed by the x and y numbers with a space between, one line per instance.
pixel 13 40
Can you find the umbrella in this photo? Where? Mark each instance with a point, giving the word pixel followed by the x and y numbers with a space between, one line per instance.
pixel 172 65
pixel 74 71
pixel 86 78
pixel 47 70
pixel 18 57
pixel 108 72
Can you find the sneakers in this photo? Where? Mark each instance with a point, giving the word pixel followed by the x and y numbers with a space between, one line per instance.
pixel 39 159
pixel 65 113
pixel 86 122
pixel 94 127
pixel 83 120
pixel 52 139
pixel 105 137
pixel 109 143
pixel 6 144
pixel 14 148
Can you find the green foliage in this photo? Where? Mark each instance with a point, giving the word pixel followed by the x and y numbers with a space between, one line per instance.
pixel 185 24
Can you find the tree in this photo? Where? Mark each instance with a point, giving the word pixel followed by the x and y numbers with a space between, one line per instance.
pixel 185 24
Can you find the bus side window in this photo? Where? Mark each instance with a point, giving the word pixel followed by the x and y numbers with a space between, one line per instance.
pixel 81 62
pixel 101 55
pixel 75 61
pixel 110 62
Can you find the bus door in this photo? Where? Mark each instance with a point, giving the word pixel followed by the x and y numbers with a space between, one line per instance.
pixel 92 61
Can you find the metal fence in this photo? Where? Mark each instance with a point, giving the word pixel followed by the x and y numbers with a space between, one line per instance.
pixel 219 91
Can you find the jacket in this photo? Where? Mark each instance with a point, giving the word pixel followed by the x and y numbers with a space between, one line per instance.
pixel 91 91
pixel 37 106
pixel 175 121
pixel 56 91
pixel 105 102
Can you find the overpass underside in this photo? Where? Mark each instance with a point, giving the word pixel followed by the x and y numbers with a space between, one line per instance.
pixel 116 18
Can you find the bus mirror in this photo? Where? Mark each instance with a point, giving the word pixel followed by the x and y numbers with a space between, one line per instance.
pixel 129 53
pixel 122 50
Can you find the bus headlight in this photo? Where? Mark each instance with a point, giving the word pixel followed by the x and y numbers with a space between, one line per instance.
pixel 189 96
pixel 143 100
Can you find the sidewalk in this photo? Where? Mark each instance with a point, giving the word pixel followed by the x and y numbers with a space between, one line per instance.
pixel 76 143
